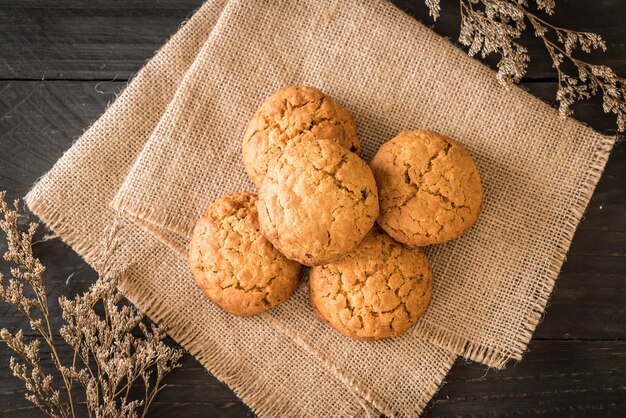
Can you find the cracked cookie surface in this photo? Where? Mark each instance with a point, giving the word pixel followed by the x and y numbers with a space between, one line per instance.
pixel 294 114
pixel 233 263
pixel 379 290
pixel 430 190
pixel 317 202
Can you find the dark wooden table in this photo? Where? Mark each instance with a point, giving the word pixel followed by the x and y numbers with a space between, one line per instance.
pixel 63 61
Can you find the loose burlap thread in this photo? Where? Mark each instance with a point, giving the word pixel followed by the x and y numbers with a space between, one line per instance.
pixel 170 145
pixel 538 170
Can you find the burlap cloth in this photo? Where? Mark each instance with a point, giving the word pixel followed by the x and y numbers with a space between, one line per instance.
pixel 170 144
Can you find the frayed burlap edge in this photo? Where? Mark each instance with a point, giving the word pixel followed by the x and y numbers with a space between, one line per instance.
pixel 61 228
pixel 266 401
pixel 494 358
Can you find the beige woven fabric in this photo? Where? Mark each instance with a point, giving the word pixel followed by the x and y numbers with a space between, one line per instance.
pixel 277 368
pixel 538 170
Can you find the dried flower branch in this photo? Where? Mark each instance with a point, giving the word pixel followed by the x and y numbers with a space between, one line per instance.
pixel 495 26
pixel 108 358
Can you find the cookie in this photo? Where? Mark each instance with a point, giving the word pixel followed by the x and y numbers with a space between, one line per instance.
pixel 429 188
pixel 317 202
pixel 379 290
pixel 233 263
pixel 294 114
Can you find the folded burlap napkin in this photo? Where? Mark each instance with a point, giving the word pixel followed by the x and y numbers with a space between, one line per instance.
pixel 538 170
pixel 170 144
pixel 268 364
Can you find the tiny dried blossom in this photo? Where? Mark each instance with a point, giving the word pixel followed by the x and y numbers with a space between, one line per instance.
pixel 495 30
pixel 109 358
pixel 545 5
pixel 586 41
pixel 494 27
pixel 38 384
pixel 434 8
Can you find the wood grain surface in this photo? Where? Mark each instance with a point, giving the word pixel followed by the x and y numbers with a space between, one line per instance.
pixel 62 62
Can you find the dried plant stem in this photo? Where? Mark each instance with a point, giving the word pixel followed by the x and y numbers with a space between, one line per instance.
pixel 22 255
pixel 57 362
pixel 494 27
pixel 107 358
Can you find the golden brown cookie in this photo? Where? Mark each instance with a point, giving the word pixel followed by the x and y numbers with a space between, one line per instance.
pixel 429 188
pixel 378 290
pixel 317 202
pixel 234 265
pixel 293 114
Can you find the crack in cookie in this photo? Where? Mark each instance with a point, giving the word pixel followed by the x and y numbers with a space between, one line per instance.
pixel 378 290
pixel 233 264
pixel 429 188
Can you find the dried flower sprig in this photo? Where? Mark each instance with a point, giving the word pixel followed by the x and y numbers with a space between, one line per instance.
pixel 108 357
pixel 495 26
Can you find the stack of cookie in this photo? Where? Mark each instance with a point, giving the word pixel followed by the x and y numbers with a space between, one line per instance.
pixel 317 206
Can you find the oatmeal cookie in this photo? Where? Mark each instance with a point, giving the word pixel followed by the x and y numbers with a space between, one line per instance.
pixel 293 114
pixel 233 263
pixel 429 188
pixel 317 202
pixel 379 290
